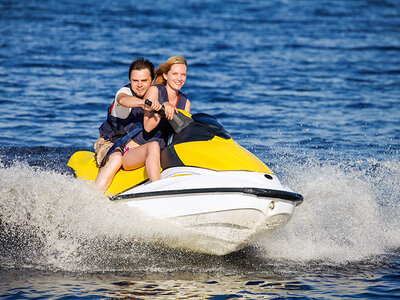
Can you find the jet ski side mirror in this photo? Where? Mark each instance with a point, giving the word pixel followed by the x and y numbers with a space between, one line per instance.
pixel 178 122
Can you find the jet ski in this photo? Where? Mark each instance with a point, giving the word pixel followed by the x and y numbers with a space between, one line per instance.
pixel 221 194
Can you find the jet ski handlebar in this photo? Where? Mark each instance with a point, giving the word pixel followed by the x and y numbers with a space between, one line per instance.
pixel 179 120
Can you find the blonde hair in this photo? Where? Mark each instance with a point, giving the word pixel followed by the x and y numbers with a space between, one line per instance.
pixel 165 67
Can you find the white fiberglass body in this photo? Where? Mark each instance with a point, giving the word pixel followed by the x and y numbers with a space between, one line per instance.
pixel 227 209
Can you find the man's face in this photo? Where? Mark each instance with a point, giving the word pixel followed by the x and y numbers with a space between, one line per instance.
pixel 140 81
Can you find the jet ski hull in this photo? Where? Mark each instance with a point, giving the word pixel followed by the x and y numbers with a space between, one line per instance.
pixel 220 195
pixel 227 210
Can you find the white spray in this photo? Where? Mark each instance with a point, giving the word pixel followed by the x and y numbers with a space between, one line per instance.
pixel 351 212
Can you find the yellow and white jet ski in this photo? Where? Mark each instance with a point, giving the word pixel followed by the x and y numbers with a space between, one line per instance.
pixel 209 185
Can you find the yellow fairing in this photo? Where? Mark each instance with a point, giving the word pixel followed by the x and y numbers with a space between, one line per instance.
pixel 185 113
pixel 85 168
pixel 219 154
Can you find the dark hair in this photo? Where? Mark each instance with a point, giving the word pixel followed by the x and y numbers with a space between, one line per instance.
pixel 140 64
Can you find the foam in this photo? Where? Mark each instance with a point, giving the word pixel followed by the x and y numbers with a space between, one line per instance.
pixel 350 213
pixel 53 221
pixel 65 223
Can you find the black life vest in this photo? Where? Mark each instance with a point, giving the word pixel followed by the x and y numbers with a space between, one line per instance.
pixel 163 130
pixel 114 128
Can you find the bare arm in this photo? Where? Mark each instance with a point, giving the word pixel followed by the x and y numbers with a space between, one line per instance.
pixel 151 119
pixel 129 101
pixel 188 106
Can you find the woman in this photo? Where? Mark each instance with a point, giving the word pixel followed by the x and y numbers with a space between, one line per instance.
pixel 170 78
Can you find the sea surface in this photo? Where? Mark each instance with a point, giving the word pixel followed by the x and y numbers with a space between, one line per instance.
pixel 311 87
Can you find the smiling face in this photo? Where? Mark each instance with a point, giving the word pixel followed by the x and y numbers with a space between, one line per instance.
pixel 140 81
pixel 176 76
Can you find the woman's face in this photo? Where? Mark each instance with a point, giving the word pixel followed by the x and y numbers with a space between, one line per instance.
pixel 176 76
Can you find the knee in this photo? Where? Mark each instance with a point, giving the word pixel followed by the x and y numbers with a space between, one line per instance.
pixel 114 159
pixel 117 159
pixel 154 148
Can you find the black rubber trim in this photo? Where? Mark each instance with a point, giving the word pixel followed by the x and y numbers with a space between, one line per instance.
pixel 268 193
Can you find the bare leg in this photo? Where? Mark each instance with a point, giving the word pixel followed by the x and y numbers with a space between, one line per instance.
pixel 108 171
pixel 148 155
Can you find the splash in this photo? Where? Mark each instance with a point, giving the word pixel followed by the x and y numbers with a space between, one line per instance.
pixel 53 221
pixel 350 213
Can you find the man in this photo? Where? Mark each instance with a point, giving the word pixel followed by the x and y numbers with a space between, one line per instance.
pixel 125 116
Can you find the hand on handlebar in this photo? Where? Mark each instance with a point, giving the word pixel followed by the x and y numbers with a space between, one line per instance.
pixel 154 105
pixel 169 110
pixel 166 109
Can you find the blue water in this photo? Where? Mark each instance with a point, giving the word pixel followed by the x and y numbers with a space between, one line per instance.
pixel 310 87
